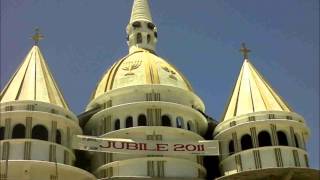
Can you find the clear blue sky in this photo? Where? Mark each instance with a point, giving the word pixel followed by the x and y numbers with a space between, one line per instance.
pixel 83 38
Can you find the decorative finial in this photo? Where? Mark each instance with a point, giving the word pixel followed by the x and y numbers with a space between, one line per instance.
pixel 37 36
pixel 245 51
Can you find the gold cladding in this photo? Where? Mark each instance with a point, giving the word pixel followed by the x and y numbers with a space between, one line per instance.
pixel 33 81
pixel 253 94
pixel 130 64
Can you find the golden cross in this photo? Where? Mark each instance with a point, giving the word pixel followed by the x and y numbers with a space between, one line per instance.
pixel 37 36
pixel 245 51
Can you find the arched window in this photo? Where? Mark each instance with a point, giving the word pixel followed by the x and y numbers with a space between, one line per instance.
pixel 190 126
pixel 148 38
pixel 282 138
pixel 231 147
pixel 58 136
pixel 19 131
pixel 2 131
pixel 179 122
pixel 139 38
pixel 264 139
pixel 296 140
pixel 136 24
pixel 246 142
pixel 142 120
pixel 129 122
pixel 117 124
pixel 151 26
pixel 165 120
pixel 40 132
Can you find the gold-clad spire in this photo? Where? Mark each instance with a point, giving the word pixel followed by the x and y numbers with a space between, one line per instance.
pixel 245 51
pixel 140 11
pixel 33 81
pixel 252 93
pixel 37 37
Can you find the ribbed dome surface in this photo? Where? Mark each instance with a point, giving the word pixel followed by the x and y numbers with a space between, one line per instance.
pixel 33 81
pixel 252 93
pixel 140 68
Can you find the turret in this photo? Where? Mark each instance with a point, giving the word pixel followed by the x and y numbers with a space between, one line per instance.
pixel 260 135
pixel 141 31
pixel 36 125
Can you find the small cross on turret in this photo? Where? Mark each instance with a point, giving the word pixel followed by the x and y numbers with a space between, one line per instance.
pixel 37 37
pixel 245 51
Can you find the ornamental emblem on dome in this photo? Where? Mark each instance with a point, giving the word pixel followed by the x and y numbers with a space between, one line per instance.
pixel 172 74
pixel 130 66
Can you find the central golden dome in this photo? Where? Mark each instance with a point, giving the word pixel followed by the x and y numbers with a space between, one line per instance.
pixel 140 68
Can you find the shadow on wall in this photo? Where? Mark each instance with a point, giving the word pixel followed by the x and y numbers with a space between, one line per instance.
pixel 82 160
pixel 211 163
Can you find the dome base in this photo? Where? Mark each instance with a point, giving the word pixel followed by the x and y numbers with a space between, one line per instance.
pixel 41 170
pixel 292 173
pixel 147 177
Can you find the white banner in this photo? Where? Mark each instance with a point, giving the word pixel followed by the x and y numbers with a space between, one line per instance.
pixel 149 147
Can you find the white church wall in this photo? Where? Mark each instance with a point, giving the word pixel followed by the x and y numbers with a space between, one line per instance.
pixel 247 160
pixel 139 94
pixel 267 157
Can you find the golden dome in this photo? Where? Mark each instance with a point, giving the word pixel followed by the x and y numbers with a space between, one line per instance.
pixel 140 68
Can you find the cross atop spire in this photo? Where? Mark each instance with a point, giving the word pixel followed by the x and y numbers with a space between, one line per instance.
pixel 245 51
pixel 37 37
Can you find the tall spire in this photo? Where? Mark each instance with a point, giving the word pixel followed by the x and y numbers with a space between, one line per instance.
pixel 140 11
pixel 142 33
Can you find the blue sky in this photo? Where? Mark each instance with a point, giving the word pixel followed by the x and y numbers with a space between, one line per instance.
pixel 202 38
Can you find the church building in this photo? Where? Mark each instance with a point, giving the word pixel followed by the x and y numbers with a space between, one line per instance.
pixel 142 97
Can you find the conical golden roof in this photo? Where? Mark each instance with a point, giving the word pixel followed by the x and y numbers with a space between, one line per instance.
pixel 33 81
pixel 252 93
